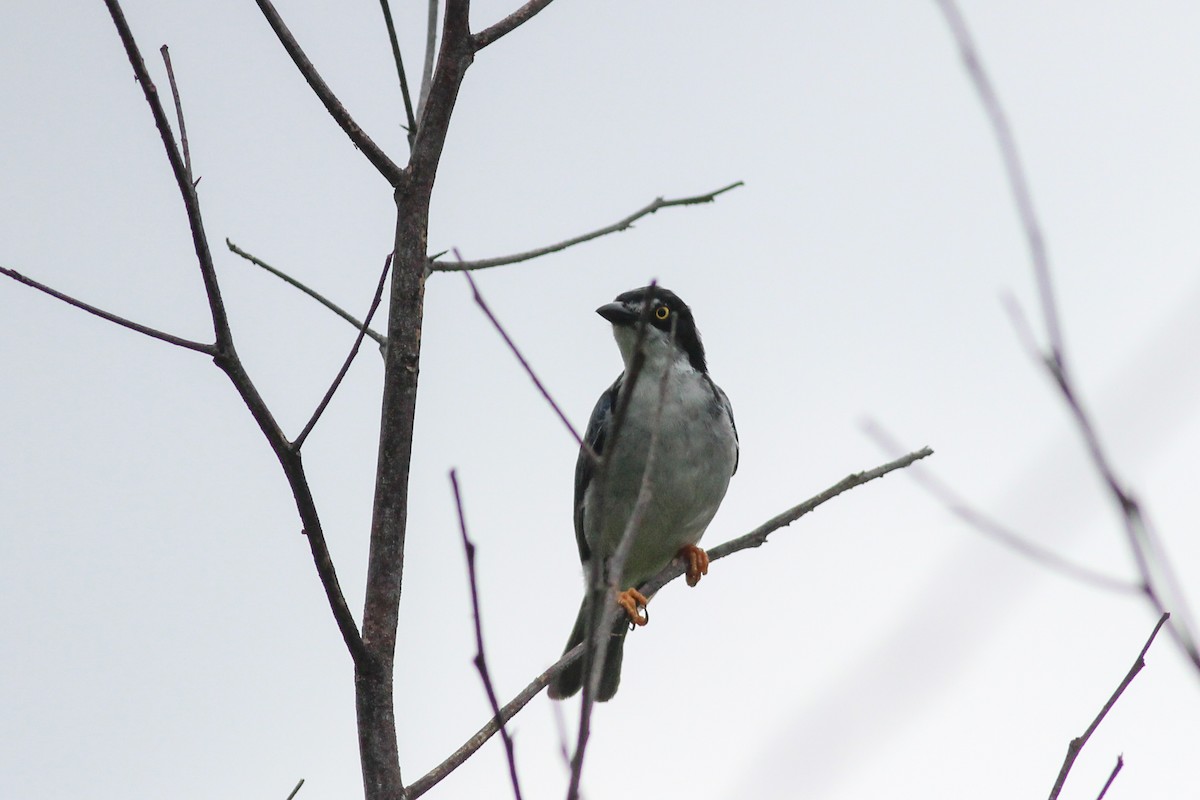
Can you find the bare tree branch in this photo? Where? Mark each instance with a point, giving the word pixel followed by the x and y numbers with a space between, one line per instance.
pixel 379 159
pixel 333 387
pixel 669 573
pixel 408 107
pixel 616 227
pixel 296 790
pixel 508 24
pixel 1158 577
pixel 170 338
pixel 480 658
pixel 226 358
pixel 1077 744
pixel 989 527
pixel 430 53
pixel 459 756
pixel 1112 777
pixel 378 338
pixel 525 364
pixel 1013 168
pixel 183 140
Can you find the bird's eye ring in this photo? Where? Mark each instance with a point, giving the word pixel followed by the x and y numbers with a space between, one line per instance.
pixel 662 312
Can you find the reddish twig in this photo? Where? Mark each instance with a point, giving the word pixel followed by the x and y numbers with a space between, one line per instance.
pixel 183 140
pixel 480 658
pixel 516 351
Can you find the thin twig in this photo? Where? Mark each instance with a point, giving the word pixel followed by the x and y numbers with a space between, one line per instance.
pixel 508 24
pixel 956 505
pixel 408 108
pixel 525 364
pixel 430 53
pixel 378 338
pixel 616 227
pixel 1155 569
pixel 226 358
pixel 1112 777
pixel 1013 168
pixel 609 612
pixel 669 573
pixel 170 338
pixel 297 789
pixel 1077 744
pixel 183 140
pixel 456 759
pixel 379 159
pixel 333 387
pixel 480 658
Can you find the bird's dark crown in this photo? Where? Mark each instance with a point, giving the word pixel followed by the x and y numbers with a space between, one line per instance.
pixel 667 309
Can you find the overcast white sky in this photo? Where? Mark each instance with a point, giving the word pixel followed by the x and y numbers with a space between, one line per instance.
pixel 163 629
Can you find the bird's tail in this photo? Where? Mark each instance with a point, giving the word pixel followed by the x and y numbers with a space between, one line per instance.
pixel 570 680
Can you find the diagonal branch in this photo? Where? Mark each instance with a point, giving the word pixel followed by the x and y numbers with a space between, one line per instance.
pixel 480 658
pixel 669 573
pixel 379 159
pixel 227 360
pixel 169 338
pixel 508 24
pixel 616 227
pixel 1077 744
pixel 431 29
pixel 408 107
pixel 337 381
pixel 183 140
pixel 1158 578
pixel 1112 776
pixel 528 369
pixel 989 527
pixel 315 295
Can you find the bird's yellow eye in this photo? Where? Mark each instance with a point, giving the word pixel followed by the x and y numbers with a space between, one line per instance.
pixel 662 312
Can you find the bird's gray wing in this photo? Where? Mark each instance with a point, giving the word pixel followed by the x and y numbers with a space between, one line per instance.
pixel 585 467
pixel 728 407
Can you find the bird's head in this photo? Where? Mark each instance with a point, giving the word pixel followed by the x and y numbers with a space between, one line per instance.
pixel 663 311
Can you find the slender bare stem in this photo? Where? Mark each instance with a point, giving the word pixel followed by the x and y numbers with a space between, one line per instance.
pixel 395 42
pixel 669 573
pixel 524 363
pixel 296 790
pixel 183 140
pixel 430 53
pixel 379 159
pixel 170 338
pixel 378 338
pixel 620 225
pixel 1111 777
pixel 1013 167
pixel 226 358
pixel 959 507
pixel 1077 743
pixel 1158 577
pixel 480 658
pixel 337 381
pixel 508 24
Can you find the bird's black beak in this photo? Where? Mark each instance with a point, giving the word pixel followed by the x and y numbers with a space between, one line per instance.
pixel 618 314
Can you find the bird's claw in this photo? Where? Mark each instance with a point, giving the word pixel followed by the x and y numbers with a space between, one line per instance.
pixel 634 603
pixel 697 563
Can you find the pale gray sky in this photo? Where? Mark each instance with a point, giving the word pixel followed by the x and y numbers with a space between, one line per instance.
pixel 163 628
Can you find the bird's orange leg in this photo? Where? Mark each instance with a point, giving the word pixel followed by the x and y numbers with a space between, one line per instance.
pixel 634 603
pixel 697 563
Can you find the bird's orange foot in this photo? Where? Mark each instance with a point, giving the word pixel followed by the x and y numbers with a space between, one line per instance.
pixel 697 563
pixel 634 603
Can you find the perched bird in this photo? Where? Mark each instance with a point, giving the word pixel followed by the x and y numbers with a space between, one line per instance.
pixel 695 455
